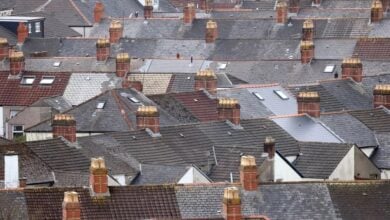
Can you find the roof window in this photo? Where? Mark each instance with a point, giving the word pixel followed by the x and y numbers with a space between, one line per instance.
pixel 329 68
pixel 100 105
pixel 27 80
pixel 258 96
pixel 281 94
pixel 47 80
pixel 57 64
pixel 133 99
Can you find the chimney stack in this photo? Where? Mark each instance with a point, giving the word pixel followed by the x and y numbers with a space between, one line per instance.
pixel 189 13
pixel 16 63
pixel 353 68
pixel 116 31
pixel 382 96
pixel 281 12
pixel 269 146
pixel 102 49
pixel 316 2
pixel 307 51
pixel 204 5
pixel 148 9
pixel 308 30
pixel 4 48
pixel 130 82
pixel 229 109
pixel 98 12
pixel 293 6
pixel 385 5
pixel 148 117
pixel 64 125
pixel 309 103
pixel 22 31
pixel 376 11
pixel 211 31
pixel 11 170
pixel 231 204
pixel 248 173
pixel 71 206
pixel 98 178
pixel 206 79
pixel 122 64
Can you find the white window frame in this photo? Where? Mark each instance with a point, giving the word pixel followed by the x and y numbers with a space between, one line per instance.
pixel 17 132
pixel 37 27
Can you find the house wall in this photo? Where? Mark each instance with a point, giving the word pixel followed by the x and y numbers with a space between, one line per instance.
pixel 36 136
pixel 284 171
pixel 385 174
pixel 193 176
pixel 6 115
pixel 364 168
pixel 345 169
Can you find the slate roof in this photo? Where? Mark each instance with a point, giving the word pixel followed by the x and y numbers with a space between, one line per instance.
pixel 381 29
pixel 13 205
pixel 377 120
pixel 334 48
pixel 57 102
pixel 4 141
pixel 373 49
pixel 11 37
pixel 381 155
pixel 159 174
pixel 12 93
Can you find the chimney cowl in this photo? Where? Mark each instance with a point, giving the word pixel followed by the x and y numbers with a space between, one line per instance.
pixel 248 162
pixel 3 42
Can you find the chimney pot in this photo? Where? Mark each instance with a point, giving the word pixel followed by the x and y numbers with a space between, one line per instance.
pixel 122 64
pixel 148 117
pixel 352 68
pixel 248 173
pixel 98 12
pixel 269 146
pixel 206 79
pixel 64 125
pixel 281 12
pixel 116 31
pixel 376 11
pixel 231 203
pixel 4 48
pixel 11 170
pixel 382 95
pixel 22 31
pixel 102 49
pixel 308 30
pixel 307 51
pixel 98 179
pixel 229 109
pixel 309 103
pixel 211 31
pixel 71 206
pixel 293 6
pixel 16 62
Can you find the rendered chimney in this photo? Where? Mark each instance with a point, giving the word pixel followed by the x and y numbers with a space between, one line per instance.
pixel 98 12
pixel 308 30
pixel 116 31
pixel 148 117
pixel 309 103
pixel 98 178
pixel 248 173
pixel 22 32
pixel 11 170
pixel 281 12
pixel 382 96
pixel 352 68
pixel 102 49
pixel 293 6
pixel 376 11
pixel 122 64
pixel 189 13
pixel 4 48
pixel 71 206
pixel 307 51
pixel 64 125
pixel 231 204
pixel 206 79
pixel 269 146
pixel 211 31
pixel 148 9
pixel 16 63
pixel 229 109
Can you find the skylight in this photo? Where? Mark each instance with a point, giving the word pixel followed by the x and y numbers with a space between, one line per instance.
pixel 57 64
pixel 100 105
pixel 329 68
pixel 47 80
pixel 281 94
pixel 133 99
pixel 258 96
pixel 222 66
pixel 27 80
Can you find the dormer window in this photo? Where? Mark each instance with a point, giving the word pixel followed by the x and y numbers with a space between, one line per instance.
pixel 27 80
pixel 37 27
pixel 47 80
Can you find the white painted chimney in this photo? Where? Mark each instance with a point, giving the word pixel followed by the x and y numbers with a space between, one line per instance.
pixel 11 170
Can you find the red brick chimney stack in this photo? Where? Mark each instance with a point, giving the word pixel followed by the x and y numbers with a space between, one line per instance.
pixel 206 79
pixel 211 31
pixel 309 103
pixel 116 31
pixel 189 13
pixel 376 11
pixel 148 117
pixel 102 49
pixel 71 206
pixel 229 109
pixel 64 125
pixel 293 6
pixel 22 32
pixel 16 63
pixel 308 30
pixel 281 12
pixel 352 68
pixel 122 64
pixel 4 48
pixel 382 96
pixel 98 12
pixel 307 51
pixel 148 9
pixel 132 83
pixel 231 204
pixel 248 173
pixel 98 178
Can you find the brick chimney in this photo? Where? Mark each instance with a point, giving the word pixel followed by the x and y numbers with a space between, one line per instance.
pixel 248 173
pixel 64 125
pixel 122 64
pixel 16 63
pixel 269 146
pixel 98 12
pixel 102 49
pixel 211 31
pixel 281 12
pixel 316 2
pixel 116 31
pixel 206 79
pixel 385 5
pixel 131 82
pixel 4 48
pixel 148 117
pixel 148 9
pixel 11 170
pixel 71 206
pixel 376 11
pixel 307 51
pixel 231 204
pixel 189 13
pixel 352 68
pixel 293 6
pixel 22 32
pixel 204 4
pixel 309 103
pixel 308 30
pixel 382 96
pixel 98 177
pixel 229 109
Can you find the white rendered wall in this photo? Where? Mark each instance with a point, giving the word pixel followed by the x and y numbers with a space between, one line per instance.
pixel 11 171
pixel 345 170
pixel 283 171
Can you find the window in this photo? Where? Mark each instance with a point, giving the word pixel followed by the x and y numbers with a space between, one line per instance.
pixel 12 113
pixel 37 27
pixel 100 105
pixel 57 64
pixel 17 131
pixel 29 28
pixel 47 80
pixel 258 96
pixel 27 80
pixel 281 94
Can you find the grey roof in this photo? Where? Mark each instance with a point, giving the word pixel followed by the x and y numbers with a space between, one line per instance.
pixel 333 49
pixel 331 13
pixel 160 174
pixel 382 153
pixel 56 102
pixel 337 4
pixel 11 37
pixel 377 120
pixel 13 205
pixel 369 82
pixel 183 65
pixel 381 29
pixel 304 128
pixel 49 45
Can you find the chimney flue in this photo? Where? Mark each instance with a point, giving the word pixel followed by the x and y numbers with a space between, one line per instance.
pixel 116 31
pixel 281 12
pixel 148 9
pixel 16 63
pixel 211 31
pixel 376 11
pixel 4 48
pixel 22 31
pixel 382 96
pixel 189 13
pixel 269 146
pixel 308 30
pixel 122 64
pixel 309 103
pixel 231 204
pixel 71 206
pixel 11 170
pixel 248 173
pixel 98 12
pixel 98 178
pixel 307 51
pixel 293 6
pixel 352 68
pixel 64 125
pixel 102 49
pixel 148 117
pixel 206 79
pixel 229 109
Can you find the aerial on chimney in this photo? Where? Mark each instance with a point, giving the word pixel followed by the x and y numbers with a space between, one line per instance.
pixel 116 31
pixel 281 12
pixel 308 30
pixel 148 117
pixel 98 178
pixel 307 51
pixel 352 68
pixel 22 31
pixel 4 48
pixel 16 63
pixel 376 11
pixel 11 170
pixel 102 49
pixel 122 64
pixel 64 125
pixel 293 6
pixel 211 31
pixel 71 206
pixel 248 173
pixel 98 12
pixel 269 147
pixel 189 13
pixel 229 109
pixel 148 9
pixel 382 96
pixel 309 103
pixel 206 79
pixel 231 204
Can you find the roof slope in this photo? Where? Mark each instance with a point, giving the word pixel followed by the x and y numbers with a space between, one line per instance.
pixel 377 119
